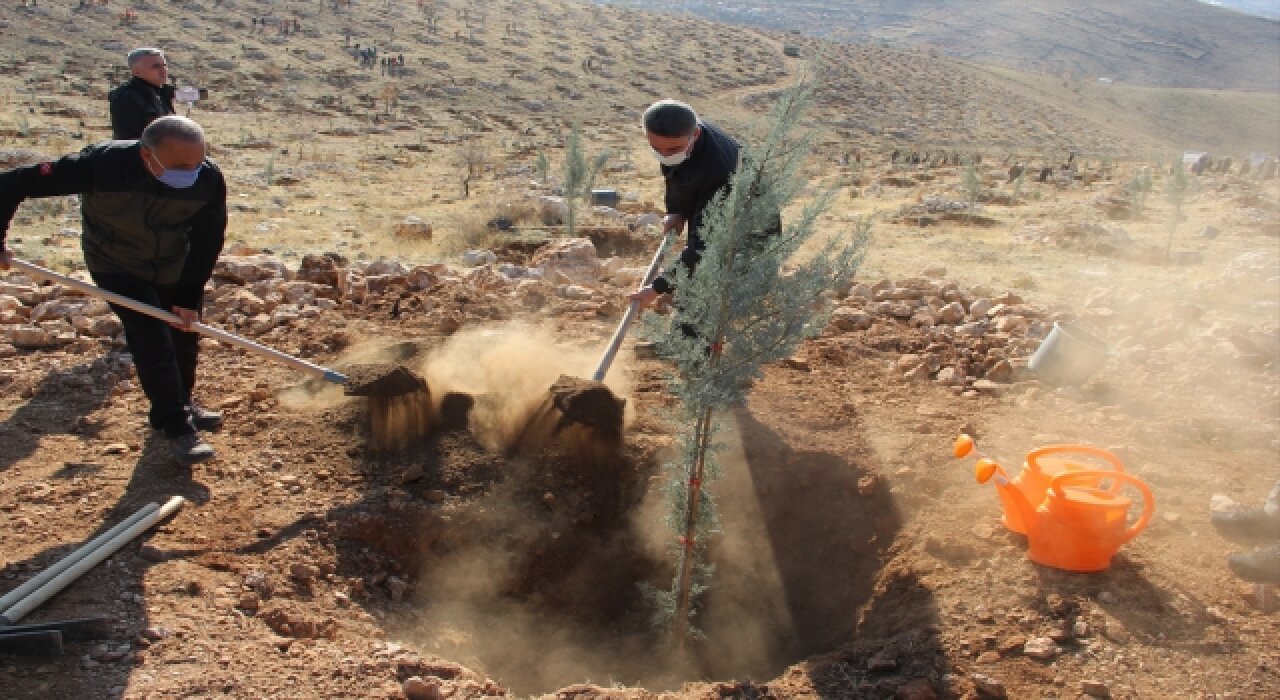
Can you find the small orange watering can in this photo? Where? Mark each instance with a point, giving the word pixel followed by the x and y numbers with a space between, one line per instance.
pixel 1078 526
pixel 1039 469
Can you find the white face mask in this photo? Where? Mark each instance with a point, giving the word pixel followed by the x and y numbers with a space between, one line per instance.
pixel 677 158
pixel 673 159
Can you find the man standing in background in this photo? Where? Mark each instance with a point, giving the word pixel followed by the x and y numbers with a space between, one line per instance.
pixel 147 96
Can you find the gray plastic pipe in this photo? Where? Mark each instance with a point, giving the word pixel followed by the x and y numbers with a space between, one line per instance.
pixel 76 570
pixel 63 564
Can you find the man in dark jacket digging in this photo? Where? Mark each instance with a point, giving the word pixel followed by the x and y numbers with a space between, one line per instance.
pixel 154 214
pixel 698 160
pixel 147 96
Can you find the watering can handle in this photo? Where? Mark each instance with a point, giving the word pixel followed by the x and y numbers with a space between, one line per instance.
pixel 1033 458
pixel 1148 498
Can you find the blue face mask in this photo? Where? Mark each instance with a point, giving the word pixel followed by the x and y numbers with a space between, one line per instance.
pixel 175 178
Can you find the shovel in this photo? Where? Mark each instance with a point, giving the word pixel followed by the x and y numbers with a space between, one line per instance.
pixel 367 380
pixel 589 403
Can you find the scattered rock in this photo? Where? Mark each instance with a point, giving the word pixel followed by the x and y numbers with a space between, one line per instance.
pixel 797 363
pixel 415 688
pixel 1095 689
pixel 414 227
pixel 988 686
pixel 303 572
pixel 574 258
pixel 152 553
pixel 846 319
pixel 476 258
pixel 1042 648
pixel 884 661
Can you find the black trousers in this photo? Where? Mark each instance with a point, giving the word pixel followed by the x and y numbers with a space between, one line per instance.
pixel 164 357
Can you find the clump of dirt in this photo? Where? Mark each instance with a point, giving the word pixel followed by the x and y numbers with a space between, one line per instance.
pixel 383 380
pixel 397 422
pixel 588 402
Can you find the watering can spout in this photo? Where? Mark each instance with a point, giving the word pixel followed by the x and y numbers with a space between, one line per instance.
pixel 1010 495
pixel 1015 501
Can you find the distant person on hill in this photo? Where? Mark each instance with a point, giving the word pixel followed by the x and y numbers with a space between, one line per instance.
pixel 697 160
pixel 154 216
pixel 147 96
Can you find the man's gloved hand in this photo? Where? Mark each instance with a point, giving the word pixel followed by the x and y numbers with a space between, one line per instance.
pixel 188 316
pixel 644 297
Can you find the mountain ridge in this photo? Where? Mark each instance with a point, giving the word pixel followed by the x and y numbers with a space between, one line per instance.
pixel 1157 43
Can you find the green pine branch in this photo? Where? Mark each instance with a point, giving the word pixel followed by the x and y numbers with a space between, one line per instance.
pixel 743 313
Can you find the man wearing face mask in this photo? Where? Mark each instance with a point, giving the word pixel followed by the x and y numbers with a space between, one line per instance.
pixel 697 160
pixel 153 216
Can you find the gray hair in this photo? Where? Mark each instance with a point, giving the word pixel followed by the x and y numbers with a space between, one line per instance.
pixel 171 127
pixel 139 54
pixel 670 119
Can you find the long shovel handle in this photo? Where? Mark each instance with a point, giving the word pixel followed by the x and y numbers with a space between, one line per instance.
pixel 243 343
pixel 612 350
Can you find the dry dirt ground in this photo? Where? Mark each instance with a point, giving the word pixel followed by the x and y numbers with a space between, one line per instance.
pixel 857 558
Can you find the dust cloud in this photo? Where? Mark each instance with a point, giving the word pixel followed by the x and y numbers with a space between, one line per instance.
pixel 509 369
pixel 538 607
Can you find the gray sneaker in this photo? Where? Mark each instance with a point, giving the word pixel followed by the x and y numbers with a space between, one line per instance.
pixel 190 448
pixel 202 418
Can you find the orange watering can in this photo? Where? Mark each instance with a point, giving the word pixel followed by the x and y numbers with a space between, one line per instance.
pixel 1039 469
pixel 1078 526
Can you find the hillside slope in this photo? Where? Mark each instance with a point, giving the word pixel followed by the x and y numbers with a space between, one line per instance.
pixel 531 68
pixel 1178 43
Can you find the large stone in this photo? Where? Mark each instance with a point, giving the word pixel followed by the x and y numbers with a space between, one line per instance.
pixel 846 319
pixel 251 268
pixel 979 308
pixel 380 284
pixel 423 277
pixel 29 337
pixel 951 313
pixel 385 267
pixel 414 227
pixel 416 688
pixel 475 258
pixel 1095 689
pixel 246 302
pixel 988 686
pixel 1001 371
pixel 1011 323
pixel 298 292
pixel 1042 648
pixel 575 258
pixel 8 302
pixel 54 309
pixel 574 292
pixel 949 375
pixel 319 269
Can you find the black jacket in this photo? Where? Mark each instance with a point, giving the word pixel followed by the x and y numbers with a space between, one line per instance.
pixel 132 224
pixel 136 104
pixel 692 185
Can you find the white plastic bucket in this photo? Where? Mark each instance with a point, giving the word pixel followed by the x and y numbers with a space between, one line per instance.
pixel 1068 356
